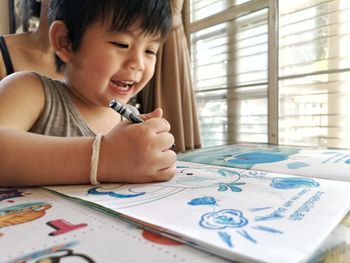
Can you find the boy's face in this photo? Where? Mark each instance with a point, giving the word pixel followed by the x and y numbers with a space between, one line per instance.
pixel 111 65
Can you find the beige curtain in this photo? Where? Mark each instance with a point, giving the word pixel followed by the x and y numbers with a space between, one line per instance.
pixel 171 88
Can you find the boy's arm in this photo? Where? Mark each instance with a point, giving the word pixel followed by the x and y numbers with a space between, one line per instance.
pixel 28 159
pixel 133 153
pixel 31 159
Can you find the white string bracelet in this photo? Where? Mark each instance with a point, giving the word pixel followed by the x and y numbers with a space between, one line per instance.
pixel 94 159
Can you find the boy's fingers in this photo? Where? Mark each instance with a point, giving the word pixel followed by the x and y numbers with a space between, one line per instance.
pixel 158 125
pixel 157 113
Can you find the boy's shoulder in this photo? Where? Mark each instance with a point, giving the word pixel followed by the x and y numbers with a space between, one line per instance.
pixel 20 78
pixel 22 83
pixel 22 99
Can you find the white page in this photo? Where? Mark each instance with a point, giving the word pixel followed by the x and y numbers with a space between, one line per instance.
pixel 240 214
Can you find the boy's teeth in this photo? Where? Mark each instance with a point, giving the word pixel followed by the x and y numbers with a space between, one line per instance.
pixel 124 84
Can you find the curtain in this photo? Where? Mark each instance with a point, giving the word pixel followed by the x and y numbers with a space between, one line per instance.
pixel 171 88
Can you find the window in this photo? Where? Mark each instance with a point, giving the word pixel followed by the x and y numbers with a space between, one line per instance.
pixel 272 71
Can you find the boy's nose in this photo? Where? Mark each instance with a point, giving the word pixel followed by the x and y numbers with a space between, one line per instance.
pixel 136 62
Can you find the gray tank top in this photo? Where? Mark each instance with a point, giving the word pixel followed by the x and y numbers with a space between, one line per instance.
pixel 60 117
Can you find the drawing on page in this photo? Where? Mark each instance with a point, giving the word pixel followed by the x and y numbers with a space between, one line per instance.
pixel 11 193
pixel 186 178
pixel 23 213
pixel 227 219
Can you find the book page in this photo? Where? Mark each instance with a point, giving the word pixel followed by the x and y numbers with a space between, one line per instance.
pixel 331 164
pixel 39 226
pixel 243 215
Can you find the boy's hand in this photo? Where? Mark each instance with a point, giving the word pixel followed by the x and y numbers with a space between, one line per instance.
pixel 157 113
pixel 138 153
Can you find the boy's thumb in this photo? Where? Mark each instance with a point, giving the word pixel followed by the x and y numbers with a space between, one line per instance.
pixel 157 113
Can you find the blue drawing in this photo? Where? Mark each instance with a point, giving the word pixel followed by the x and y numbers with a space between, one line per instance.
pixel 232 186
pixel 223 219
pixel 347 161
pixel 267 229
pixel 226 173
pixel 205 200
pixel 257 157
pixel 94 191
pixel 226 238
pixel 297 165
pixel 277 214
pixel 245 234
pixel 198 177
pixel 335 157
pixel 293 183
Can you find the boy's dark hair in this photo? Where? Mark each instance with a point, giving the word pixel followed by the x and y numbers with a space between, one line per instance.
pixel 155 16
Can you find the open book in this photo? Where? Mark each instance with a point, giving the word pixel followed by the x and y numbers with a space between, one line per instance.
pixel 239 214
pixel 331 164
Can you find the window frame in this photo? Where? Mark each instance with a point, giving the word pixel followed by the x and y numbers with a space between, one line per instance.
pixel 272 53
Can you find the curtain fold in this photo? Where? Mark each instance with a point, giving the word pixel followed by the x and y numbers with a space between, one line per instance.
pixel 171 88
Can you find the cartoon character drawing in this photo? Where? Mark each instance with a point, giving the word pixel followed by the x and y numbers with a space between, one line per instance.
pixel 228 180
pixel 56 254
pixel 22 213
pixel 113 192
pixel 186 178
pixel 68 254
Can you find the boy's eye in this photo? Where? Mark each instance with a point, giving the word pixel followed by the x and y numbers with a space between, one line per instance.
pixel 120 45
pixel 151 52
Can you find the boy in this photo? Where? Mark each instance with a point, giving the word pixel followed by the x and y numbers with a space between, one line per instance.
pixel 106 50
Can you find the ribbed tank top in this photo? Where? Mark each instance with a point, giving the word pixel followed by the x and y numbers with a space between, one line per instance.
pixel 60 117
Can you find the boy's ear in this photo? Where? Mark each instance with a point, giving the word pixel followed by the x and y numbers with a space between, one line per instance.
pixel 60 40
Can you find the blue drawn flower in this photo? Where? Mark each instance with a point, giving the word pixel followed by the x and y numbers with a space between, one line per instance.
pixel 222 219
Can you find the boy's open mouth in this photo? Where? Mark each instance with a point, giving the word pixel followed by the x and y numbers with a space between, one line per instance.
pixel 124 85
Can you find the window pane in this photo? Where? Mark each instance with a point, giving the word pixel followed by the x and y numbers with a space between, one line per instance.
pixel 314 36
pixel 230 79
pixel 314 111
pixel 230 66
pixel 200 9
pixel 204 8
pixel 314 47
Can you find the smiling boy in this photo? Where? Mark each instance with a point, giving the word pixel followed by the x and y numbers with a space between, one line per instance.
pixel 49 129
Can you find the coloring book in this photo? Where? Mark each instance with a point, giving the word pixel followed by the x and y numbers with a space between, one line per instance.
pixel 239 214
pixel 331 164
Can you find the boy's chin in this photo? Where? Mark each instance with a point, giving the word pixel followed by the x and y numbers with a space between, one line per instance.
pixel 123 100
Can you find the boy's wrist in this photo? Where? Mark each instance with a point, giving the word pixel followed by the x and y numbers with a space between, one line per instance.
pixel 95 160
